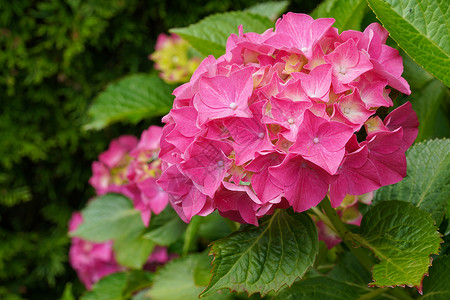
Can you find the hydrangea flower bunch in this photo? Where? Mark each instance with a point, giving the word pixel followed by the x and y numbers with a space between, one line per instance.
pixel 175 58
pixel 131 167
pixel 93 261
pixel 285 118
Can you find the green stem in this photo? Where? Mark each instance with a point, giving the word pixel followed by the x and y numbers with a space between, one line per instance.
pixel 191 233
pixel 345 234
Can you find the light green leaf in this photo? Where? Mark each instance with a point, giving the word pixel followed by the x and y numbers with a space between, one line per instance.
pixel 132 250
pixel 109 217
pixel 271 9
pixel 347 13
pixel 108 288
pixel 427 184
pixel 67 294
pixel 437 285
pixel 319 288
pixel 175 281
pixel 421 28
pixel 131 99
pixel 209 36
pixel 265 258
pixel 165 228
pixel 113 217
pixel 403 238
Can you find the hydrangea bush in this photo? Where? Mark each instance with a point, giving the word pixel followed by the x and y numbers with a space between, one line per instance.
pixel 290 158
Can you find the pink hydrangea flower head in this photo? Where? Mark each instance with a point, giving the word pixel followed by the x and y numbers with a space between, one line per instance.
pixel 91 261
pixel 143 171
pixel 110 171
pixel 285 118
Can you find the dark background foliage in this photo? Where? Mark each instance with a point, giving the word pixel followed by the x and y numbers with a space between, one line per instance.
pixel 55 57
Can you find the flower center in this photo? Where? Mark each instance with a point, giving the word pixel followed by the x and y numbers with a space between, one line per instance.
pixel 233 105
pixel 290 121
pixel 316 140
pixel 261 135
pixel 343 70
pixel 220 163
pixel 347 110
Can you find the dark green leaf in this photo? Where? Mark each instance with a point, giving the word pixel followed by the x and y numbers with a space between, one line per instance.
pixel 319 288
pixel 347 13
pixel 130 99
pixel 403 238
pixel 437 285
pixel 271 9
pixel 427 183
pixel 265 258
pixel 421 28
pixel 209 36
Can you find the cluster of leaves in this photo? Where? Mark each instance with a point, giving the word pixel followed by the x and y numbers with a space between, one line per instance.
pixel 55 57
pixel 402 234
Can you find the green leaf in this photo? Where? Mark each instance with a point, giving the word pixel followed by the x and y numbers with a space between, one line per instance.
pixel 402 237
pixel 427 103
pixel 132 250
pixel 108 288
pixel 437 285
pixel 175 281
pixel 113 217
pixel 421 28
pixel 67 294
pixel 119 286
pixel 347 13
pixel 426 185
pixel 318 288
pixel 209 36
pixel 165 228
pixel 109 217
pixel 131 99
pixel 265 258
pixel 271 10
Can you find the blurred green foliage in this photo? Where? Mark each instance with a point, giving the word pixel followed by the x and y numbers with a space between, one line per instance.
pixel 55 57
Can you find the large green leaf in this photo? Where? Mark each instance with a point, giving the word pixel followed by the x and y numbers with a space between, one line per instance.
pixel 165 228
pixel 270 9
pixel 421 28
pixel 319 288
pixel 427 184
pixel 119 286
pixel 108 288
pixel 209 36
pixel 265 258
pixel 437 285
pixel 130 99
pixel 347 13
pixel 113 217
pixel 403 238
pixel 179 279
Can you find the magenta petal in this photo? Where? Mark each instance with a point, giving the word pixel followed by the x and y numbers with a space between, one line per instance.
pixel 404 116
pixel 207 164
pixel 305 184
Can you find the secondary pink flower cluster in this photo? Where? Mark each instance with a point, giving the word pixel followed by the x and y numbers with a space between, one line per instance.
pixel 93 261
pixel 284 118
pixel 131 167
pixel 175 58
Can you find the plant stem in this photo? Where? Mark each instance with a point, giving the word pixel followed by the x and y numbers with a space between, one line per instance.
pixel 191 233
pixel 345 234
